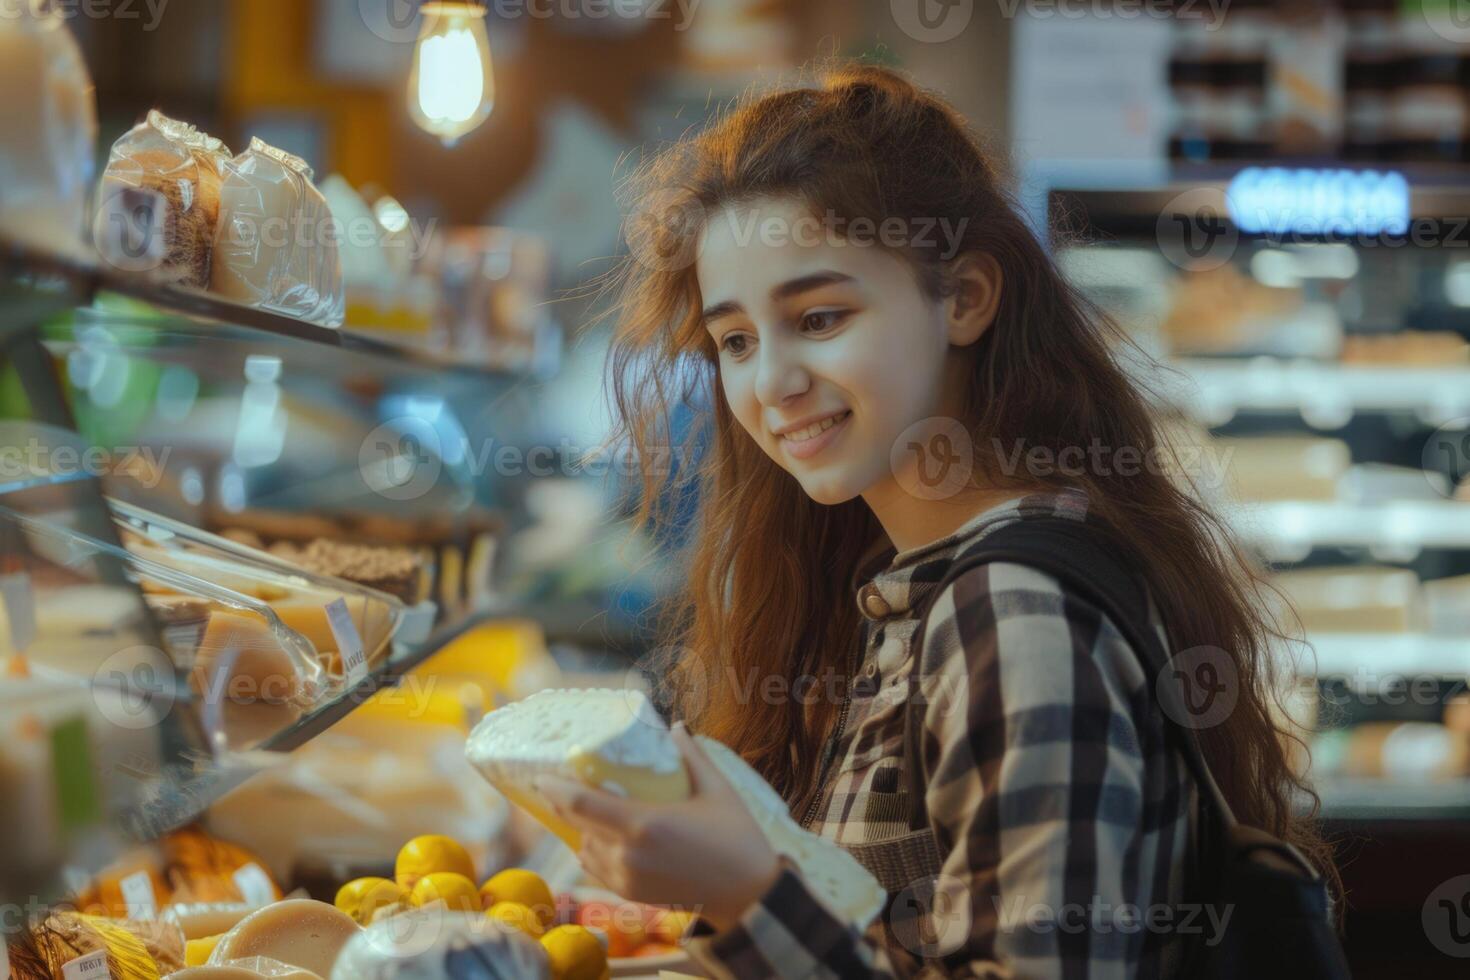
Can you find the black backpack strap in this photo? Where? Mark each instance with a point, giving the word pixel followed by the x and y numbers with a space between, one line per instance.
pixel 1091 562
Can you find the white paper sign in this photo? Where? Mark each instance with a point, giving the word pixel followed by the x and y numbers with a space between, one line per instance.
pixel 349 643
pixel 93 966
pixel 20 609
pixel 137 892
pixel 255 885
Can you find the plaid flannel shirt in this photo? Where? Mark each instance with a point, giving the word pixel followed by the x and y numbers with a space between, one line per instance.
pixel 1062 815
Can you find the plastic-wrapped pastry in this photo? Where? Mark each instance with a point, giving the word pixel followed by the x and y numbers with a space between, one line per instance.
pixel 48 129
pixel 185 167
pixel 277 245
pixel 435 944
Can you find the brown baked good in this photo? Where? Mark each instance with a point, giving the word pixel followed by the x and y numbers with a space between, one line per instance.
pixel 393 570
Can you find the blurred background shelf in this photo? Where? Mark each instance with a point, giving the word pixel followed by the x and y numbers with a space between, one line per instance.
pixel 1287 529
pixel 1213 390
pixel 1379 655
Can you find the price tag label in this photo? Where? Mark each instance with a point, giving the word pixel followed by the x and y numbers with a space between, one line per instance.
pixel 137 892
pixel 255 885
pixel 349 643
pixel 20 609
pixel 93 966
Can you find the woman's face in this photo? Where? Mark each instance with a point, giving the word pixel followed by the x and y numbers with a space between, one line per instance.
pixel 828 349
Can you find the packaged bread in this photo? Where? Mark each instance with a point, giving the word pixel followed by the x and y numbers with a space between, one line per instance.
pixel 435 944
pixel 48 129
pixel 277 246
pixel 615 739
pixel 60 945
pixel 184 167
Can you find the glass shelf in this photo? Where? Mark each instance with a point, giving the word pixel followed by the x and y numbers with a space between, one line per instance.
pixel 227 411
pixel 83 281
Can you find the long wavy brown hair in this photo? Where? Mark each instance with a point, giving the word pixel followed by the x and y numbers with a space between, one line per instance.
pixel 768 592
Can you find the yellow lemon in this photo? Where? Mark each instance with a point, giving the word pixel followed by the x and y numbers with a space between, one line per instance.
pixel 456 892
pixel 362 897
pixel 524 887
pixel 575 953
pixel 428 854
pixel 196 951
pixel 518 916
pixel 670 926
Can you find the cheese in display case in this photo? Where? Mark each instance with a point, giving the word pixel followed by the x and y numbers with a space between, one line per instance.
pixel 258 644
pixel 349 626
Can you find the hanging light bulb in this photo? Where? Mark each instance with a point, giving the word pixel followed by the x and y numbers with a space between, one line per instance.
pixel 451 89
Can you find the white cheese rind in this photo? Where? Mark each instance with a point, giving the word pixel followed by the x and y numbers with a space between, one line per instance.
pixel 615 739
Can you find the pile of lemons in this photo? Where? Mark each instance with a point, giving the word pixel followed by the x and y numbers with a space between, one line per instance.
pixel 435 868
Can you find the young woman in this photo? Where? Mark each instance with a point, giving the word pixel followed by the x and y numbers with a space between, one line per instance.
pixel 898 371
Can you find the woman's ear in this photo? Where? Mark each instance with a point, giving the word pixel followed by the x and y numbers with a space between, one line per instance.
pixel 971 307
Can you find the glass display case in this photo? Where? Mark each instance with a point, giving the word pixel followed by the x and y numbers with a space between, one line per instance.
pixel 1307 332
pixel 223 530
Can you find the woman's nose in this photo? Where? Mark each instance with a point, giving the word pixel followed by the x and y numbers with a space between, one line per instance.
pixel 780 374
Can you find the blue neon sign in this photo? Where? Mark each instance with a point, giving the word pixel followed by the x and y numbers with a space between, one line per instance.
pixel 1278 200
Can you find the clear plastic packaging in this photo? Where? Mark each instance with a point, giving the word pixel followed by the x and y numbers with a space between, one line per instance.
pixel 277 243
pixel 297 598
pixel 434 944
pixel 254 644
pixel 48 130
pixel 180 169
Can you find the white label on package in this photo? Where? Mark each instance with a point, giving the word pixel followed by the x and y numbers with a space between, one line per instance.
pixel 349 643
pixel 255 887
pixel 93 966
pixel 20 609
pixel 137 892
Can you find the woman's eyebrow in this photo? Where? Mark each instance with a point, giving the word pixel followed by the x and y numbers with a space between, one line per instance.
pixel 795 287
pixel 786 290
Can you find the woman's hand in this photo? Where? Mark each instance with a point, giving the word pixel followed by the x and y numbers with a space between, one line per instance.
pixel 705 853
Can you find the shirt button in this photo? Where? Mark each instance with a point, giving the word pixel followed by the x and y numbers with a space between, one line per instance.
pixel 875 604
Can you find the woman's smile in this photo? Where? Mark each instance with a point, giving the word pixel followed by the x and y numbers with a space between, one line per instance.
pixel 807 441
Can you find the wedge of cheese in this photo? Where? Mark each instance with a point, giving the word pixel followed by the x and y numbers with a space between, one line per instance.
pixel 298 932
pixel 607 738
pixel 616 740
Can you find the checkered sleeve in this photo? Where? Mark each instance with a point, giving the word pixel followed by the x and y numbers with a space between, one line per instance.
pixel 1035 779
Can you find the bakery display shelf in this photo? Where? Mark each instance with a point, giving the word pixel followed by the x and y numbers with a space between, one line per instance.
pixel 1215 389
pixel 1388 799
pixel 84 281
pixel 1374 656
pixel 186 800
pixel 1287 529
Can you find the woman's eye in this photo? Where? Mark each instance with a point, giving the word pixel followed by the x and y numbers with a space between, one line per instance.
pixel 820 320
pixel 733 343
